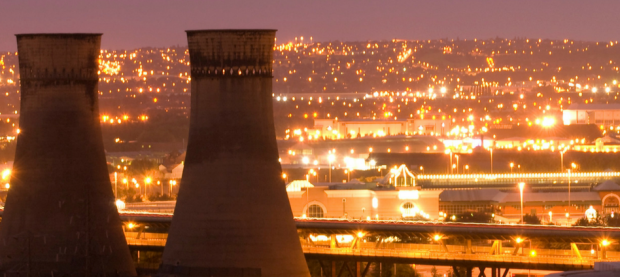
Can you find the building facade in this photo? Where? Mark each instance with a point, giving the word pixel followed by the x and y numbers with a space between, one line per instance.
pixel 606 115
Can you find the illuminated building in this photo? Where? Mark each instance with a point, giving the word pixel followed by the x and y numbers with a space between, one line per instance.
pixel 357 200
pixel 232 216
pixel 60 205
pixel 609 192
pixel 605 115
pixel 352 128
pixel 336 129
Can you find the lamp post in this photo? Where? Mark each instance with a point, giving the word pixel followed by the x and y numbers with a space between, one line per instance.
pixel 457 163
pixel 562 159
pixel 450 171
pixel 521 186
pixel 331 159
pixel 115 185
pixel 491 149
pixel 312 172
pixel 550 216
pixel 568 193
pixel 467 168
pixel 172 183
pixel 511 166
pixel 422 169
pixel 147 181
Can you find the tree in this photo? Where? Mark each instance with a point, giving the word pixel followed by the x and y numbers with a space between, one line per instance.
pixel 142 167
pixel 531 219
pixel 598 221
pixel 473 217
pixel 612 221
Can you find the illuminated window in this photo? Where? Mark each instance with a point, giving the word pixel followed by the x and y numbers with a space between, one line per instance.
pixel 315 211
pixel 409 210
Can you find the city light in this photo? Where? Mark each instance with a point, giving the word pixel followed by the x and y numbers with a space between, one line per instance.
pixel 605 242
pixel 6 174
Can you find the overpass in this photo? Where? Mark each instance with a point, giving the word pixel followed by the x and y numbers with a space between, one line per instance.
pixel 352 246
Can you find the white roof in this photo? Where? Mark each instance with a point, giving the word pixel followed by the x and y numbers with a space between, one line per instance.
pixel 297 185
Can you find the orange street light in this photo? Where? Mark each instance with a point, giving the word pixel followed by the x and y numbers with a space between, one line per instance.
pixel 521 186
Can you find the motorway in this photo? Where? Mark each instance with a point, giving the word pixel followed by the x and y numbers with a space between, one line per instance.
pixel 315 235
pixel 426 229
pixel 407 242
pixel 426 254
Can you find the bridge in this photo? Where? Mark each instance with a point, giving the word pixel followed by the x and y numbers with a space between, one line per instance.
pixel 351 246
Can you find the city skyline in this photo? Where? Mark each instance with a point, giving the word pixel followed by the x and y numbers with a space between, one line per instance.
pixel 309 138
pixel 132 25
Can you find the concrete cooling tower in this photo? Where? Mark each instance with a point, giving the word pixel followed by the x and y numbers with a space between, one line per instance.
pixel 60 218
pixel 233 216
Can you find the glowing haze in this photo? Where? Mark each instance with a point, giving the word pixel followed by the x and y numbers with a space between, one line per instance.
pixel 139 23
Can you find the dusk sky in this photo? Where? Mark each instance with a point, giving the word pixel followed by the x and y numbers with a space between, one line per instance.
pixel 135 23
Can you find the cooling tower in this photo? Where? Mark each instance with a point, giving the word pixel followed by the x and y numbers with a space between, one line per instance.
pixel 232 216
pixel 60 218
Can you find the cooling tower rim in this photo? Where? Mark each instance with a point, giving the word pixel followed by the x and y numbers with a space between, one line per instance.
pixel 57 34
pixel 230 30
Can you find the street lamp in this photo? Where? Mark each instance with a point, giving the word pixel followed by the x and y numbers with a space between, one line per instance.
pixel 449 152
pixel 467 168
pixel 172 183
pixel 521 186
pixel 457 163
pixel 562 159
pixel 491 150
pixel 568 191
pixel 550 216
pixel 115 185
pixel 511 166
pixel 422 169
pixel 331 159
pixel 147 181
